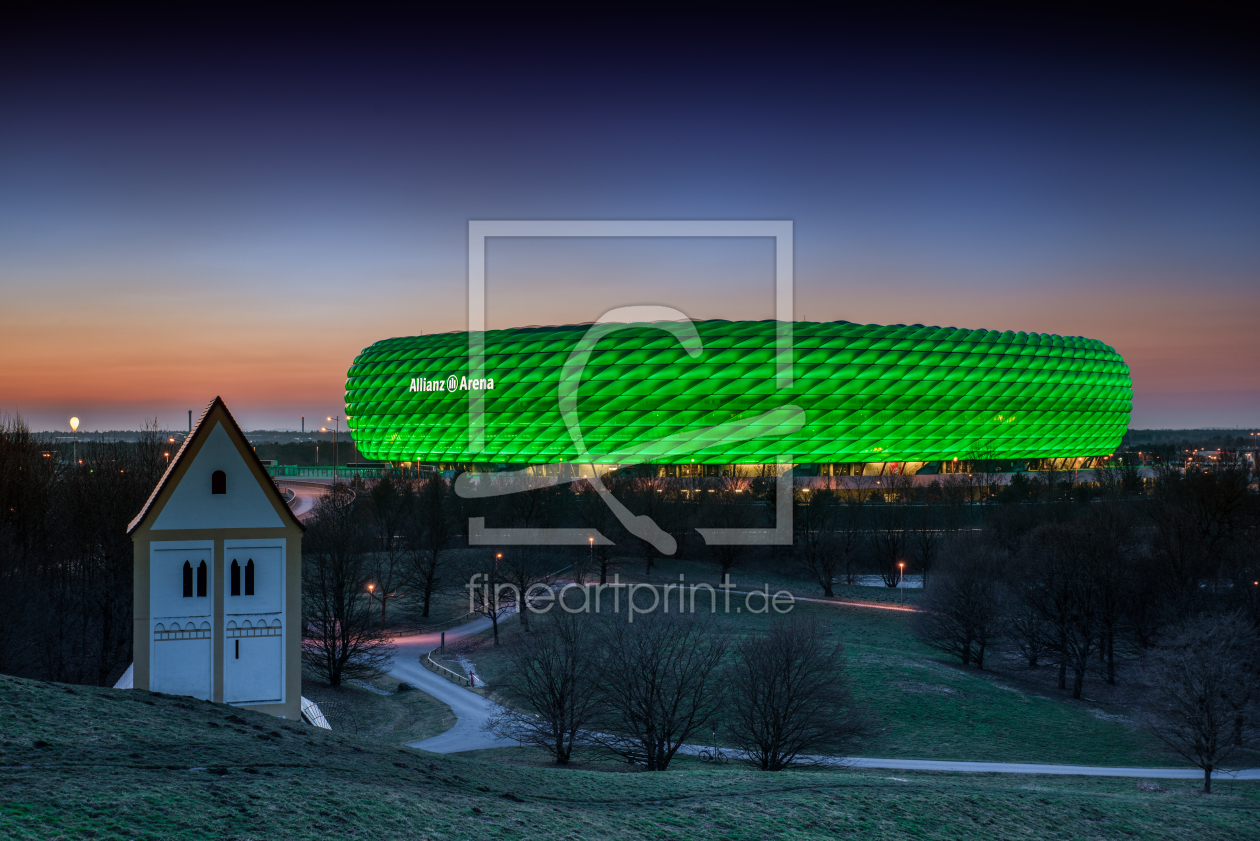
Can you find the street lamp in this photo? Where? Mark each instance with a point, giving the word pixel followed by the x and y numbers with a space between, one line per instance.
pixel 337 429
pixel 371 588
pixel 901 584
pixel 74 429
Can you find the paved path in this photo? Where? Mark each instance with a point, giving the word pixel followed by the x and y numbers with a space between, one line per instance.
pixel 471 710
pixel 1004 767
pixel 1029 768
pixel 306 495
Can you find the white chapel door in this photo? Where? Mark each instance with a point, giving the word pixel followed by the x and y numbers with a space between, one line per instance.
pixel 254 622
pixel 180 598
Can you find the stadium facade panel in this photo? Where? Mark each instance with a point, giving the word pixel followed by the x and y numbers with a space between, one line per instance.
pixel 860 393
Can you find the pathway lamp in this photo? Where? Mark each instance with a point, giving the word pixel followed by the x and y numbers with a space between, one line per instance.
pixel 901 583
pixel 74 429
pixel 336 429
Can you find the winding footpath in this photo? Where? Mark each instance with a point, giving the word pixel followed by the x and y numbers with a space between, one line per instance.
pixel 471 710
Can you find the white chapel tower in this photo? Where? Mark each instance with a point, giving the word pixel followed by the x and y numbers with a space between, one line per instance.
pixel 218 577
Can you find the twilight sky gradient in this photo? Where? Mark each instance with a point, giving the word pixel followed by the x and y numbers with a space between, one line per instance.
pixel 199 208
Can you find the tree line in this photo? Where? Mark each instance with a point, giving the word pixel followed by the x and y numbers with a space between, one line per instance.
pixel 644 691
pixel 65 557
pixel 1161 590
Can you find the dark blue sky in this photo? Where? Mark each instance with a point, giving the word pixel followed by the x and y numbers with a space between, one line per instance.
pixel 238 206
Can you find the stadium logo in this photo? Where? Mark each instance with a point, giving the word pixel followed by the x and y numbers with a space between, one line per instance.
pixel 451 383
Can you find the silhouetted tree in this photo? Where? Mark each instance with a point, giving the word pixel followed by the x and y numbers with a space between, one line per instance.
pixel 429 528
pixel 550 685
pixel 889 539
pixel 342 638
pixel 961 611
pixel 790 694
pixel 815 543
pixel 660 685
pixel 1204 689
pixel 594 513
pixel 388 502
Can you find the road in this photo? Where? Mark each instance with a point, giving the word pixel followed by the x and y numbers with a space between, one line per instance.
pixel 471 710
pixel 1006 767
pixel 307 495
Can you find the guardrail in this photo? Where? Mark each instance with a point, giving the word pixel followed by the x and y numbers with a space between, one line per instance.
pixel 454 677
pixel 284 471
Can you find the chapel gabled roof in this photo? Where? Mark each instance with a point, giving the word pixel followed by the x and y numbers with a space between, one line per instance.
pixel 199 430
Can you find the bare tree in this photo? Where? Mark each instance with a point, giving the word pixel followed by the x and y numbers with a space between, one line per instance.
pixel 1025 627
pixel 1066 584
pixel 342 639
pixel 1199 519
pixel 723 509
pixel 550 687
pixel 790 695
pixel 428 529
pixel 925 538
pixel 65 558
pixel 1204 690
pixel 654 497
pixel 1116 554
pixel 815 543
pixel 388 503
pixel 889 540
pixel 850 533
pixel 524 566
pixel 660 685
pixel 982 462
pixel 487 586
pixel 594 513
pixel 961 612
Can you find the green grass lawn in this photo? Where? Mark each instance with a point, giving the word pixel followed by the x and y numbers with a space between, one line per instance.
pixel 79 762
pixel 398 718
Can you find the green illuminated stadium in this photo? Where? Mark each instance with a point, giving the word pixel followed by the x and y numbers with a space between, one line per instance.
pixel 859 394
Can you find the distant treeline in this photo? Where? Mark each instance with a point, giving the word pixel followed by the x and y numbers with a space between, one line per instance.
pixel 65 557
pixel 311 453
pixel 1203 439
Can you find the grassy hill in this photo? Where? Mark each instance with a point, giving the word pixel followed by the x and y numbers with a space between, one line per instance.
pixel 79 762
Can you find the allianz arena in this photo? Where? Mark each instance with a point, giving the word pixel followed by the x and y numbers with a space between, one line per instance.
pixel 860 395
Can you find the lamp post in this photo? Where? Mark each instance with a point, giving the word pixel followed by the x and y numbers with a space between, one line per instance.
pixel 498 556
pixel 336 429
pixel 74 430
pixel 590 564
pixel 371 588
pixel 901 583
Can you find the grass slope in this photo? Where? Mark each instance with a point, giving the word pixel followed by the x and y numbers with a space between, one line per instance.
pixel 79 762
pixel 397 718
